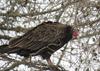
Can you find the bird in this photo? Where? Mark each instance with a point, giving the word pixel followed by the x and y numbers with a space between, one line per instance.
pixel 43 40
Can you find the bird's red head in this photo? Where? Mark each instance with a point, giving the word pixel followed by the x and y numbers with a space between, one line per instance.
pixel 73 30
pixel 75 34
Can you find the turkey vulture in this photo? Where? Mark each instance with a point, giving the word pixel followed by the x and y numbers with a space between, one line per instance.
pixel 42 40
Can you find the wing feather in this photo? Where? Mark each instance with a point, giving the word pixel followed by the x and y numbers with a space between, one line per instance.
pixel 38 37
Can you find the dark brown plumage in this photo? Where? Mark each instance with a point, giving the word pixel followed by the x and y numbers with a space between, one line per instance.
pixel 42 40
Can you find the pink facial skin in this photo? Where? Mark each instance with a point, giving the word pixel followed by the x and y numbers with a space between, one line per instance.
pixel 75 34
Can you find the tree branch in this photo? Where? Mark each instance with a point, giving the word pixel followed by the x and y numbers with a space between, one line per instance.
pixel 34 14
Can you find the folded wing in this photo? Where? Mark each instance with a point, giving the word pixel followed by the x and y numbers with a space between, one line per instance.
pixel 38 37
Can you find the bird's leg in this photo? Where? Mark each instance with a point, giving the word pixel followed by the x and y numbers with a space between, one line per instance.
pixel 52 66
pixel 49 62
pixel 30 58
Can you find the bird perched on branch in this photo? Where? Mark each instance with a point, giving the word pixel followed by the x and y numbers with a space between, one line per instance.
pixel 43 40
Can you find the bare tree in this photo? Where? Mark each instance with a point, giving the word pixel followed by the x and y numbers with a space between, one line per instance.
pixel 83 54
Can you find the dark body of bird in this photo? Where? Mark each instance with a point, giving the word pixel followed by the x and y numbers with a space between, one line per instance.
pixel 42 40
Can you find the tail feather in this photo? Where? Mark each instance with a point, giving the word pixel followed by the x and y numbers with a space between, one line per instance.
pixel 21 52
pixel 4 49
